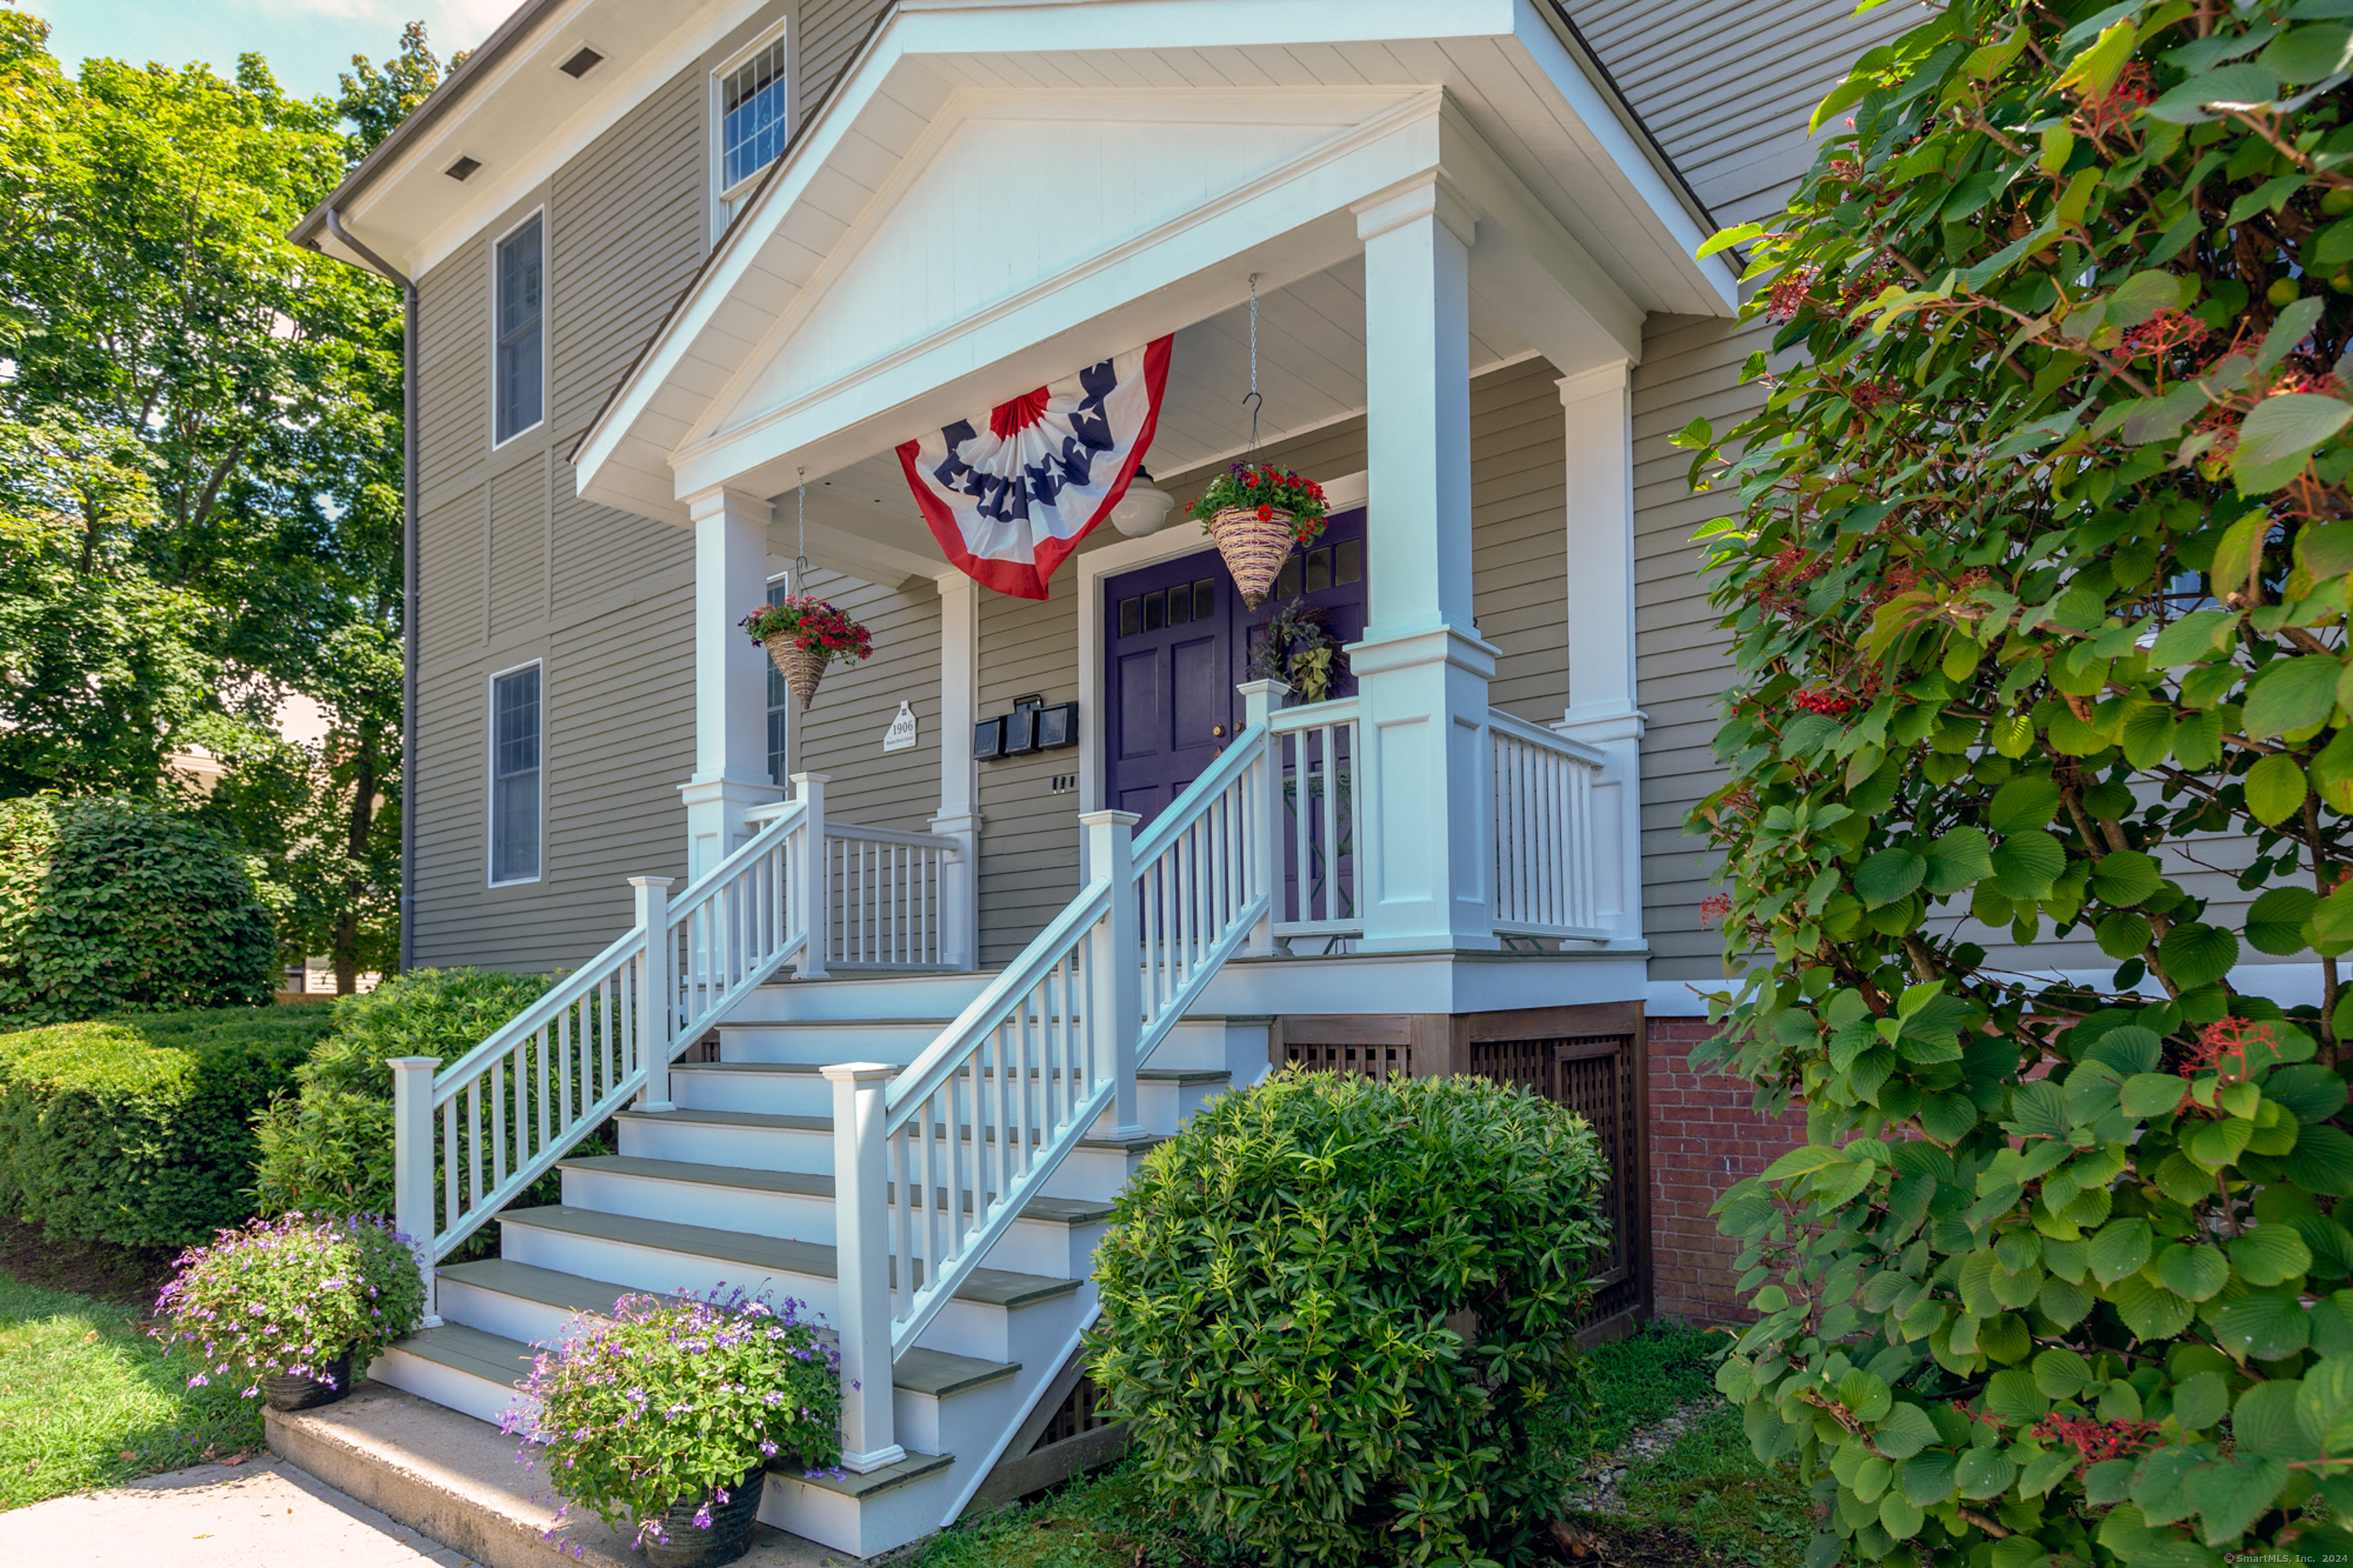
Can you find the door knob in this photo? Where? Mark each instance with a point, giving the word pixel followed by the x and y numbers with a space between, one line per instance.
pixel 1217 729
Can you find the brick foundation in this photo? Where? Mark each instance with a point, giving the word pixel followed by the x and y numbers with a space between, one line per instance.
pixel 1705 1136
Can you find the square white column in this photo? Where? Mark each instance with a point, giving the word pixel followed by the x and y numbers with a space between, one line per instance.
pixel 1597 405
pixel 1426 867
pixel 959 814
pixel 731 676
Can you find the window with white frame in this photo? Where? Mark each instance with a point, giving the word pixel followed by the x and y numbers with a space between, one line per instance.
pixel 755 115
pixel 514 775
pixel 520 369
pixel 780 701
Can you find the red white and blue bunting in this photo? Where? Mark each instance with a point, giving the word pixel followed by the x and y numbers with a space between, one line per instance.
pixel 1009 501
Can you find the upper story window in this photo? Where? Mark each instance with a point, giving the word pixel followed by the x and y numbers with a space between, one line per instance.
pixel 754 115
pixel 514 775
pixel 520 367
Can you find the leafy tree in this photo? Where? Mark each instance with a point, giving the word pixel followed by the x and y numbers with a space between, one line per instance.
pixel 2039 590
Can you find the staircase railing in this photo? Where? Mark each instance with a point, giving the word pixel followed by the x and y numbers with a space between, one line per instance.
pixel 891 900
pixel 471 1137
pixel 1544 832
pixel 1319 749
pixel 935 1161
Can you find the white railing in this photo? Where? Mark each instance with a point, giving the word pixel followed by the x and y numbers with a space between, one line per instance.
pixel 1317 747
pixel 471 1137
pixel 1544 832
pixel 934 1161
pixel 891 900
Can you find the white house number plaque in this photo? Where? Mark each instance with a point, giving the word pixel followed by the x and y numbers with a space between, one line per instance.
pixel 901 735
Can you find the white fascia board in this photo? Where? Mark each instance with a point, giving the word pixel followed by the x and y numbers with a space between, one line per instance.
pixel 1717 277
pixel 635 75
pixel 1154 285
pixel 739 252
pixel 997 28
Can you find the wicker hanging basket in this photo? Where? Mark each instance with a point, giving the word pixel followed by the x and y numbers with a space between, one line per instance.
pixel 1254 548
pixel 802 668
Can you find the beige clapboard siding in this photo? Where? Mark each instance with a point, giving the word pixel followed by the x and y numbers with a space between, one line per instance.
pixel 1738 130
pixel 518 543
pixel 598 550
pixel 832 31
pixel 841 734
pixel 1030 843
pixel 453 366
pixel 628 230
pixel 1519 561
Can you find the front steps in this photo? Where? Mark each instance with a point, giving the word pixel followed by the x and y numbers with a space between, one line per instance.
pixel 734 1189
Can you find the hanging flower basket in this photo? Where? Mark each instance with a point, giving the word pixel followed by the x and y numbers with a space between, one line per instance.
pixel 804 634
pixel 1257 513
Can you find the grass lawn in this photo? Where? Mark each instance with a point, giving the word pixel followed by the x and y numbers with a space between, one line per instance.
pixel 88 1399
pixel 1704 1501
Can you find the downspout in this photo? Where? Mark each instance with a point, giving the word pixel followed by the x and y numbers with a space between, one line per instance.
pixel 409 639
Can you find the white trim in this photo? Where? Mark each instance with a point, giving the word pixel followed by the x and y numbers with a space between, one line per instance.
pixel 724 198
pixel 547 320
pixel 491 777
pixel 1181 537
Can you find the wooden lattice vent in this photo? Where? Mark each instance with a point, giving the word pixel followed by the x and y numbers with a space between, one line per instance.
pixel 1077 1414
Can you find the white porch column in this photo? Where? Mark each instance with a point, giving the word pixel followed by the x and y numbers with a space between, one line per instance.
pixel 1598 407
pixel 959 814
pixel 1421 671
pixel 731 676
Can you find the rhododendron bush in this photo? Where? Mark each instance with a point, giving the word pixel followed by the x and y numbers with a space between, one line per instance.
pixel 2038 589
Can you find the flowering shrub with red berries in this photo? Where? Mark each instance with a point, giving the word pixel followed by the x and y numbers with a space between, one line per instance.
pixel 2038 585
pixel 1266 489
pixel 812 623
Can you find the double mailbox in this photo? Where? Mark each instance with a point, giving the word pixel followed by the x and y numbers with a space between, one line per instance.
pixel 1033 725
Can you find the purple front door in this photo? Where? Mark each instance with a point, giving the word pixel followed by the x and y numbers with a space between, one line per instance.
pixel 1177 641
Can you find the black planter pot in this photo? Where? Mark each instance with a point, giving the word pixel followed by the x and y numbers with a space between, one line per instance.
pixel 283 1392
pixel 729 1535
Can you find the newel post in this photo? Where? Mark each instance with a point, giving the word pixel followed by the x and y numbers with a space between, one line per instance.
pixel 810 883
pixel 861 1222
pixel 657 992
pixel 412 1163
pixel 1114 967
pixel 1263 826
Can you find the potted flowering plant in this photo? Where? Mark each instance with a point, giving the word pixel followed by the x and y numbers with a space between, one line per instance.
pixel 803 634
pixel 668 1411
pixel 299 1305
pixel 1257 512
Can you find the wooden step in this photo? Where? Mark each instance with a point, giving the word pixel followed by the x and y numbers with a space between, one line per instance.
pixel 984 1286
pixel 824 1123
pixel 1051 1210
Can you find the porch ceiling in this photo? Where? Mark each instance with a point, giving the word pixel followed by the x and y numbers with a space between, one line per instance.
pixel 1001 192
pixel 1310 370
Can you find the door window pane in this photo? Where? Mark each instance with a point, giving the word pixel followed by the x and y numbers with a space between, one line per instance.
pixel 1205 600
pixel 1287 585
pixel 514 775
pixel 1348 562
pixel 1319 570
pixel 1156 611
pixel 521 310
pixel 1131 616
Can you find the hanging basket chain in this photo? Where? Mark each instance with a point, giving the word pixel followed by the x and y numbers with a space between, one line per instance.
pixel 1252 398
pixel 800 514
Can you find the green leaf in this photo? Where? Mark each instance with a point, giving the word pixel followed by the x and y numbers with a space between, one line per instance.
pixel 1905 1433
pixel 2264 1421
pixel 2278 437
pixel 2195 955
pixel 2231 1494
pixel 2191 638
pixel 2308 53
pixel 2310 1091
pixel 2268 1327
pixel 2129 1050
pixel 2291 692
pixel 1804 1159
pixel 2201 1399
pixel 2122 935
pixel 2120 1248
pixel 2193 1273
pixel 2027 865
pixel 1888 877
pixel 1725 238
pixel 2276 920
pixel 2270 1255
pixel 2186 104
pixel 2061 1374
pixel 1927 1478
pixel 2324 1405
pixel 2152 1094
pixel 2150 1311
pixel 2126 878
pixel 2040 1110
pixel 2023 803
pixel 2276 786
pixel 1957 859
pixel 1984 1473
pixel 2322 1160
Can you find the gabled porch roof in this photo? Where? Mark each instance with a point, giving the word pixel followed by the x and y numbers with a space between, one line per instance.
pixel 1000 193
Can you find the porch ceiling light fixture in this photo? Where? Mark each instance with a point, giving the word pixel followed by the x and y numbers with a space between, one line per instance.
pixel 1144 509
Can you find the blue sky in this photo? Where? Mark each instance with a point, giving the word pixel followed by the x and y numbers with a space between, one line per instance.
pixel 307 42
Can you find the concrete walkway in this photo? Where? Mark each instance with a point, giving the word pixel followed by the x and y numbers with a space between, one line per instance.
pixel 264 1513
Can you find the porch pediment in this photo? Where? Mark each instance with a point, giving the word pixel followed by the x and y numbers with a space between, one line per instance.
pixel 997 195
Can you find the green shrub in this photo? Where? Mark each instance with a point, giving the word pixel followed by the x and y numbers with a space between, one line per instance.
pixel 1282 1289
pixel 115 904
pixel 134 1129
pixel 328 1147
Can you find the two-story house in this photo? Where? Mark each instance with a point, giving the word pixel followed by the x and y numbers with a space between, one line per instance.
pixel 884 997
